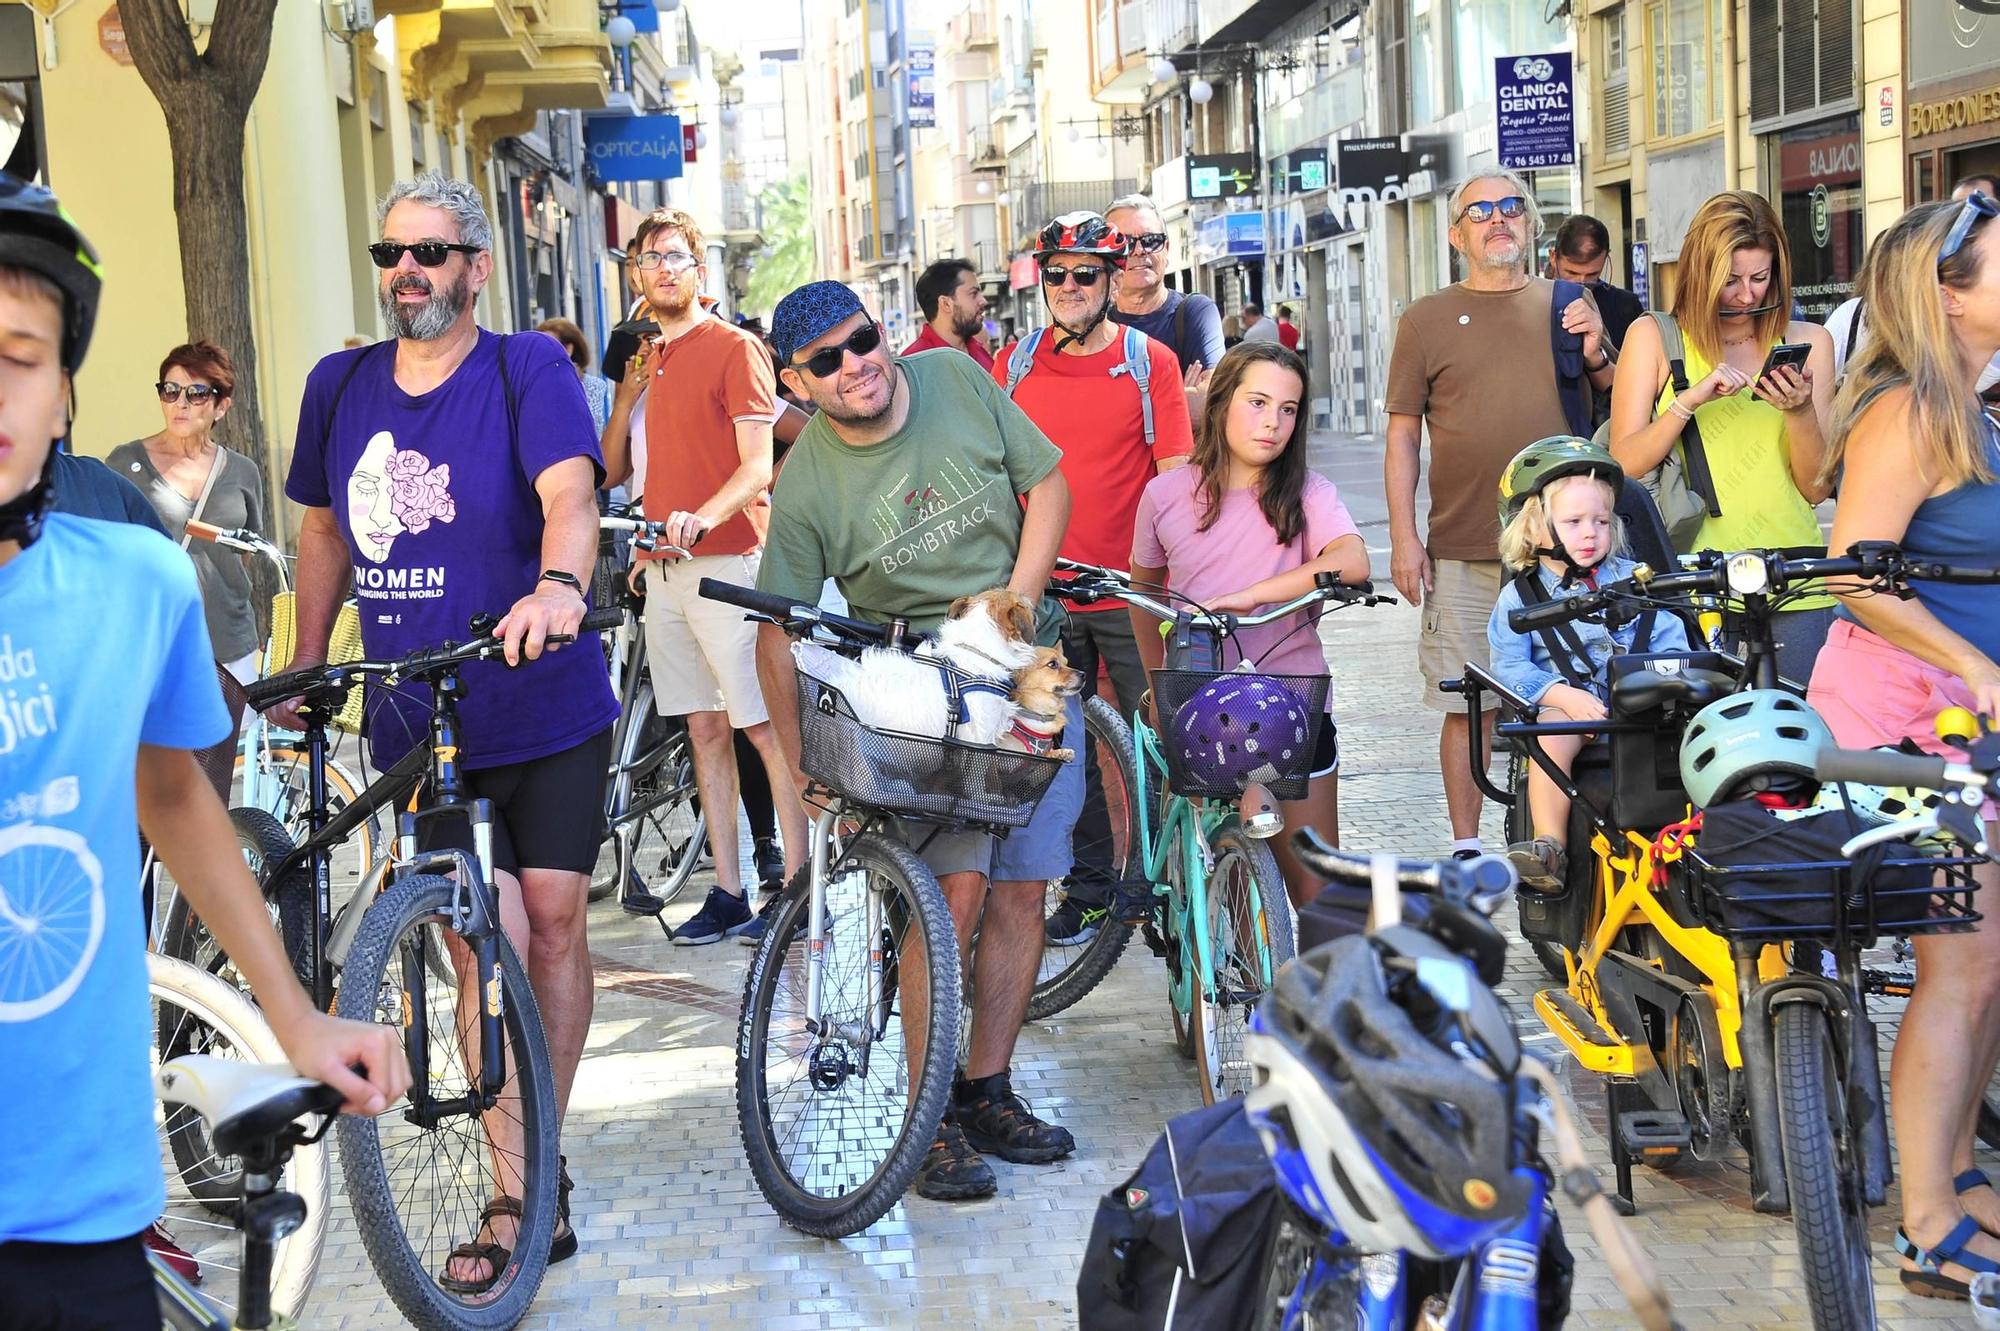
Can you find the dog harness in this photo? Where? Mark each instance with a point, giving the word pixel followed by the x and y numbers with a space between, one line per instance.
pixel 1036 742
pixel 959 684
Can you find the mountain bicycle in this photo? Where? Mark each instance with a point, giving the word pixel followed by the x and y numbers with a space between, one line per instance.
pixel 1722 996
pixel 1442 956
pixel 480 1122
pixel 229 1139
pixel 839 1092
pixel 1215 906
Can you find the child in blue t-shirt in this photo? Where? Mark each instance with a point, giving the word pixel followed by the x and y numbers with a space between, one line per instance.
pixel 107 682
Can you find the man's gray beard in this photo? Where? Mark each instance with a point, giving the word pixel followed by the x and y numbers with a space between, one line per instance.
pixel 432 319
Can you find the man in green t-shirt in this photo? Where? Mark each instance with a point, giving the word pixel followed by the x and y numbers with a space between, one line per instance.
pixel 908 489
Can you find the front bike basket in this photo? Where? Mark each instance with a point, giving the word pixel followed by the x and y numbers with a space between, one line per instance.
pixel 940 781
pixel 342 645
pixel 1260 736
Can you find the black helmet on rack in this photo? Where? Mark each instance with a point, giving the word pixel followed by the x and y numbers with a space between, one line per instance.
pixel 38 235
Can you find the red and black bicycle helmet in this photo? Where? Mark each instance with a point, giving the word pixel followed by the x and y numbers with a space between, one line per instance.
pixel 1083 232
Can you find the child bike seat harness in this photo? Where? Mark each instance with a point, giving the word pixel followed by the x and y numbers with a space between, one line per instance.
pixel 1564 645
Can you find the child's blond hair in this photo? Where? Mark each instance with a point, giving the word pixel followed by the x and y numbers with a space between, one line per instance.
pixel 1529 529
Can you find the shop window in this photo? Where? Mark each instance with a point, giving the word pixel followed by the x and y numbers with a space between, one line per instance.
pixel 1819 181
pixel 1803 55
pixel 1423 61
pixel 1684 56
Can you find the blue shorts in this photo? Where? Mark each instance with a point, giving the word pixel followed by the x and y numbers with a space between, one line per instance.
pixel 1040 851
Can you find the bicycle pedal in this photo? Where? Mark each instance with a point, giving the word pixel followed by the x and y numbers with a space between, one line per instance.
pixel 1651 1132
pixel 643 904
pixel 1132 905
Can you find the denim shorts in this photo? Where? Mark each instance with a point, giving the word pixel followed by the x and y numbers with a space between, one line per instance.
pixel 1035 853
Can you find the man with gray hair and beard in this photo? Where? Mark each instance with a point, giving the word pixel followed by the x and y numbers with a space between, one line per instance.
pixel 445 472
pixel 1474 364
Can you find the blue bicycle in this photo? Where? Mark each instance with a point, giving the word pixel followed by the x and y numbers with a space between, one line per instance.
pixel 1405 1122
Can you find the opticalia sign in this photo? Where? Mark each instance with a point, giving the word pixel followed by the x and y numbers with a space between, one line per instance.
pixel 625 148
pixel 1536 107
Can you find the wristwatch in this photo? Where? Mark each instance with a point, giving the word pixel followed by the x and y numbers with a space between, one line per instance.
pixel 566 579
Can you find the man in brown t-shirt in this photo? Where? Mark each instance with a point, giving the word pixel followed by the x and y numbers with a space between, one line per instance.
pixel 710 402
pixel 1474 364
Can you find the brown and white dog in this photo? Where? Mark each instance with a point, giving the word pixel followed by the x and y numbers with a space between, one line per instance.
pixel 1042 690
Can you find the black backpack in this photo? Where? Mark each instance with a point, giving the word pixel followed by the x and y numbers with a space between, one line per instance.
pixel 1182 1243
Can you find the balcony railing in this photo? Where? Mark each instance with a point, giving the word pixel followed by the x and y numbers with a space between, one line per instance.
pixel 984 154
pixel 1038 201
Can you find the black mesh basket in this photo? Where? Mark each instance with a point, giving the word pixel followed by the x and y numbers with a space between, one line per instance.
pixel 939 781
pixel 1288 756
pixel 608 588
pixel 1755 877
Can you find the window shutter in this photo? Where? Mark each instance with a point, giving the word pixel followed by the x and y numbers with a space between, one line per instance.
pixel 1809 45
pixel 1766 94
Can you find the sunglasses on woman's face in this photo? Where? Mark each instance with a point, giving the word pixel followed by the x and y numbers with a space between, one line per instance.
pixel 1976 206
pixel 427 253
pixel 827 360
pixel 1510 208
pixel 196 394
pixel 1086 275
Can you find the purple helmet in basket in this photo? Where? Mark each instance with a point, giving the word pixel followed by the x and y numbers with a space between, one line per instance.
pixel 1239 729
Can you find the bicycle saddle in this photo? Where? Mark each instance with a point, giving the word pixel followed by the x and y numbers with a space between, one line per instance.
pixel 1643 690
pixel 245 1103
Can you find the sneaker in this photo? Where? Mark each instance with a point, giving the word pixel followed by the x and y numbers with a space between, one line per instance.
pixel 179 1259
pixel 953 1171
pixel 1073 923
pixel 1541 863
pixel 1002 1124
pixel 753 933
pixel 770 862
pixel 719 917
pixel 1467 853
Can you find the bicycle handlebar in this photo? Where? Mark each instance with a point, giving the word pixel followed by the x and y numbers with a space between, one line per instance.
pixel 1482 878
pixel 791 615
pixel 266 693
pixel 1093 583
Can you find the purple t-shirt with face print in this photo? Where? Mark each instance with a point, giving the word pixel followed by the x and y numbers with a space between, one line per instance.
pixel 435 495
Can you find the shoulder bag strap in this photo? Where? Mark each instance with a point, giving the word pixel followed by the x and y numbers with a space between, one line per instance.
pixel 1139 364
pixel 1180 327
pixel 1566 348
pixel 1853 333
pixel 507 396
pixel 1698 478
pixel 215 466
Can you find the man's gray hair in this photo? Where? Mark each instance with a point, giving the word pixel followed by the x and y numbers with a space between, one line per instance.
pixel 1133 201
pixel 459 198
pixel 1514 182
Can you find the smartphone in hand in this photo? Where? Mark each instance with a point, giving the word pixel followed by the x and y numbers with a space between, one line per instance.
pixel 1791 354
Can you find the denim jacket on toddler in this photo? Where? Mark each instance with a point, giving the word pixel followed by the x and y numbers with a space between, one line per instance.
pixel 1522 661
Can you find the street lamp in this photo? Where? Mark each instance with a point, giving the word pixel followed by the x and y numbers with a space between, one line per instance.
pixel 1200 91
pixel 1163 70
pixel 728 115
pixel 700 138
pixel 620 31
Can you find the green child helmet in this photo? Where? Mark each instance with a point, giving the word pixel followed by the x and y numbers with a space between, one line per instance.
pixel 1546 460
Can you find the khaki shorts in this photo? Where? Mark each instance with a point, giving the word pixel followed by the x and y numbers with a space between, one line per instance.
pixel 1456 613
pixel 702 653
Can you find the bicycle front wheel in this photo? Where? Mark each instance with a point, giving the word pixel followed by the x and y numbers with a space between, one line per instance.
pixel 1249 937
pixel 419 1177
pixel 1107 840
pixel 196 1013
pixel 834 1117
pixel 656 833
pixel 1823 1170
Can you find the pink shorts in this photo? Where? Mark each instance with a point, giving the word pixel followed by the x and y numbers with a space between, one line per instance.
pixel 1871 693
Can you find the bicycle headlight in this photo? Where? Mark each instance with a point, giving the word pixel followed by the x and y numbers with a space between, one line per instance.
pixel 1748 575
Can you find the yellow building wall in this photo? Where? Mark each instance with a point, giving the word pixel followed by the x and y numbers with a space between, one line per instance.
pixel 1882 161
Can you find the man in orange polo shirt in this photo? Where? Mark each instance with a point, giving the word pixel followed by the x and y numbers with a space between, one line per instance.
pixel 709 409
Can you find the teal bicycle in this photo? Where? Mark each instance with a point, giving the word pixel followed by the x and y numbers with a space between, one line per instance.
pixel 1212 902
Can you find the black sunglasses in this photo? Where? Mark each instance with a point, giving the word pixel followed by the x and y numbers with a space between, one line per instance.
pixel 1976 206
pixel 427 253
pixel 1510 208
pixel 1086 275
pixel 196 393
pixel 829 359
pixel 1151 241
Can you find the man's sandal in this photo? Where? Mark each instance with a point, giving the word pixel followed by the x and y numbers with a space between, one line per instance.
pixel 563 1246
pixel 1929 1279
pixel 495 1256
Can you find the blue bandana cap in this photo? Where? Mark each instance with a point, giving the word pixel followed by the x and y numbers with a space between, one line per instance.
pixel 807 313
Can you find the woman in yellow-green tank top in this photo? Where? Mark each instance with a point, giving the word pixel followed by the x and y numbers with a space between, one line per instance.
pixel 1763 435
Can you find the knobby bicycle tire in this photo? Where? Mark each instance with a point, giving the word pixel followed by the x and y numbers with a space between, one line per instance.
pixel 390 949
pixel 289 766
pixel 853 1186
pixel 263 842
pixel 672 836
pixel 218 1019
pixel 1829 1211
pixel 1240 975
pixel 1069 973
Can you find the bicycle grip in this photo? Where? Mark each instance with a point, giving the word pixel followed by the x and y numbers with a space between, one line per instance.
pixel 1880 767
pixel 749 598
pixel 601 621
pixel 206 531
pixel 265 693
pixel 1550 613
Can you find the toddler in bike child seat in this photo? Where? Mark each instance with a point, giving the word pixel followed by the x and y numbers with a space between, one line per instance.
pixel 1560 538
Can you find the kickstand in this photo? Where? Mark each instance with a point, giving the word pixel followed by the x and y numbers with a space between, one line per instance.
pixel 1621 1162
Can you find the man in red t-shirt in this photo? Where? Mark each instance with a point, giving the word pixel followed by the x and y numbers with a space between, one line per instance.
pixel 954 310
pixel 1078 391
pixel 711 400
pixel 1288 332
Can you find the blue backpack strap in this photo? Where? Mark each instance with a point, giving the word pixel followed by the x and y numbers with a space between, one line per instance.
pixel 1572 382
pixel 1022 360
pixel 1139 364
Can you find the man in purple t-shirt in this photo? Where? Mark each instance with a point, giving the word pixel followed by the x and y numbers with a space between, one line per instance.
pixel 445 473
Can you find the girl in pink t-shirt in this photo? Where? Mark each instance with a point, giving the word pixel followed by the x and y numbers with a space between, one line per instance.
pixel 1246 524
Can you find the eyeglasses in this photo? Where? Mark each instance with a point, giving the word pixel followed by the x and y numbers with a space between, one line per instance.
pixel 674 261
pixel 1510 208
pixel 1150 242
pixel 427 253
pixel 196 393
pixel 1086 275
pixel 829 359
pixel 1976 206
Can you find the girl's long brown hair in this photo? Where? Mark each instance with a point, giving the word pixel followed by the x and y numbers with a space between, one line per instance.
pixel 1285 479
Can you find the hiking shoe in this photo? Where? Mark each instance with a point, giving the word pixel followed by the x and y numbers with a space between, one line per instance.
pixel 1002 1124
pixel 952 1171
pixel 179 1259
pixel 719 917
pixel 1541 863
pixel 1073 923
pixel 753 933
pixel 770 862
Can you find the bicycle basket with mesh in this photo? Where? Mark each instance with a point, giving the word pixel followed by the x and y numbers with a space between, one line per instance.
pixel 1224 730
pixel 941 781
pixel 344 644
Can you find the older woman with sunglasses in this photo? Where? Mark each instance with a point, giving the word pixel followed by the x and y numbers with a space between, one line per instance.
pixel 187 475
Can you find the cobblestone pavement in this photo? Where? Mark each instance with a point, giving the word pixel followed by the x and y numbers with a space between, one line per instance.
pixel 673 1228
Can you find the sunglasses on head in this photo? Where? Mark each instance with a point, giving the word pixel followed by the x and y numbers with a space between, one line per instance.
pixel 1086 275
pixel 1150 242
pixel 427 253
pixel 196 394
pixel 1976 206
pixel 1510 208
pixel 827 360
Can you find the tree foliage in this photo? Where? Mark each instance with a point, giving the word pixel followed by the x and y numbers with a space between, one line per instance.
pixel 786 261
